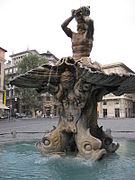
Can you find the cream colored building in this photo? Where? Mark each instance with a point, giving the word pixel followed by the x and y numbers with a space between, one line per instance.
pixel 50 106
pixel 117 106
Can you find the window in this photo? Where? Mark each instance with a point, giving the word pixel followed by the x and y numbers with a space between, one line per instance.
pixel 126 112
pixel 116 101
pixel 55 110
pixel 104 113
pixel 104 103
pixel 117 112
pixel 129 112
pixel 10 71
pixel 6 71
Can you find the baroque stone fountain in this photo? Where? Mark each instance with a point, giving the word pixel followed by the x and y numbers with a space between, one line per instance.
pixel 78 85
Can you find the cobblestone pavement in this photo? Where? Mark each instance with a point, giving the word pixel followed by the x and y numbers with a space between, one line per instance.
pixel 34 129
pixel 26 129
pixel 121 128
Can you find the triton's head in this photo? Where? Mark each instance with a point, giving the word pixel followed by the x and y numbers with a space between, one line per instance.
pixel 83 11
pixel 79 14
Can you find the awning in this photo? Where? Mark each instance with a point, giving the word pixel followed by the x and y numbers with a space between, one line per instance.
pixel 2 106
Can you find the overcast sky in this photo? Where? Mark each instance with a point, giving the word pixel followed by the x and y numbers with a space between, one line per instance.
pixel 36 24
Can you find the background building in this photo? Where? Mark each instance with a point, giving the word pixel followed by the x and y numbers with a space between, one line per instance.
pixel 11 69
pixel 50 107
pixel 2 60
pixel 117 106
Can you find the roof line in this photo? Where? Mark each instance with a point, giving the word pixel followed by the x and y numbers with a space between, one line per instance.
pixel 3 49
pixel 116 64
pixel 23 52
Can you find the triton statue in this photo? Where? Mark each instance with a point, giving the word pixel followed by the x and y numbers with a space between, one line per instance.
pixel 82 40
pixel 78 85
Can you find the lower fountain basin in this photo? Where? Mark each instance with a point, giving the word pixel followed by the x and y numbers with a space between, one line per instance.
pixel 23 161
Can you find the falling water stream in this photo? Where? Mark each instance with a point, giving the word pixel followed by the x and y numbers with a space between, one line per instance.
pixel 49 78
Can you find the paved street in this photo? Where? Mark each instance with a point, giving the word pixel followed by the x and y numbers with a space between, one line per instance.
pixel 34 129
pixel 26 129
pixel 121 128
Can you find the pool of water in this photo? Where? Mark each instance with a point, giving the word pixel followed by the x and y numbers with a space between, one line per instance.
pixel 22 161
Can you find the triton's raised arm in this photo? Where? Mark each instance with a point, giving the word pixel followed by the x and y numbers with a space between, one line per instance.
pixel 64 25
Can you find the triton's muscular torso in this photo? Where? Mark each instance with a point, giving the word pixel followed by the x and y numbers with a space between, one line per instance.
pixel 81 45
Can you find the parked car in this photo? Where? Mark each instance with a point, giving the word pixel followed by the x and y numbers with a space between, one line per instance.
pixel 18 115
pixel 23 115
pixel 3 117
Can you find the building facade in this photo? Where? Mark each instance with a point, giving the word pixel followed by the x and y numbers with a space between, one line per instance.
pixel 117 106
pixel 50 106
pixel 2 60
pixel 2 101
pixel 11 69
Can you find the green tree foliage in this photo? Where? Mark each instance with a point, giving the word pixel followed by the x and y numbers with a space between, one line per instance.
pixel 30 98
pixel 30 62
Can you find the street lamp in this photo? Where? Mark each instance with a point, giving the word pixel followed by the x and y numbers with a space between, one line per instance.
pixel 10 100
